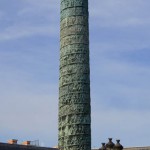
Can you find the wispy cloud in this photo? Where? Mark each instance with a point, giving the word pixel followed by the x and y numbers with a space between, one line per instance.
pixel 119 124
pixel 121 83
pixel 44 5
pixel 28 108
pixel 119 50
pixel 120 13
pixel 19 31
pixel 23 25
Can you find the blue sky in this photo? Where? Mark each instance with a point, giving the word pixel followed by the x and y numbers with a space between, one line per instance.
pixel 119 61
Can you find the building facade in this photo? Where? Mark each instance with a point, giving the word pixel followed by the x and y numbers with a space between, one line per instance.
pixel 6 146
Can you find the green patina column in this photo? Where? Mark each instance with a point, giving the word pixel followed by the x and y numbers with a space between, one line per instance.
pixel 74 82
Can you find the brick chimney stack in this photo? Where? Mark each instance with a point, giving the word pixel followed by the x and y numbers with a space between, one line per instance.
pixel 26 143
pixel 12 141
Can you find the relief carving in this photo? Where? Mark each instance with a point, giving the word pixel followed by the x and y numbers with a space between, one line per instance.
pixel 74 87
pixel 70 78
pixel 78 147
pixel 79 129
pixel 73 98
pixel 75 140
pixel 76 29
pixel 75 48
pixel 72 3
pixel 74 11
pixel 74 39
pixel 79 119
pixel 74 58
pixel 74 68
pixel 74 80
pixel 75 109
pixel 74 120
pixel 74 20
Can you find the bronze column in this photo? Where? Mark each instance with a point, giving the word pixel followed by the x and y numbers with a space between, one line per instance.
pixel 74 81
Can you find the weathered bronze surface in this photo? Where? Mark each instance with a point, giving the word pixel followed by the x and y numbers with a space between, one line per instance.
pixel 74 81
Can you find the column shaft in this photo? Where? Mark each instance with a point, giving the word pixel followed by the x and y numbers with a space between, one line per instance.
pixel 74 80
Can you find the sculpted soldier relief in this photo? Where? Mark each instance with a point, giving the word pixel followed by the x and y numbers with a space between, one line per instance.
pixel 68 79
pixel 76 29
pixel 73 3
pixel 74 11
pixel 74 87
pixel 75 129
pixel 73 98
pixel 74 58
pixel 78 129
pixel 74 39
pixel 75 140
pixel 78 147
pixel 74 68
pixel 76 109
pixel 61 140
pixel 74 81
pixel 74 48
pixel 72 121
pixel 74 20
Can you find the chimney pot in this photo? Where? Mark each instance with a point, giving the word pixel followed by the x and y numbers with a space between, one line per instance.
pixel 12 141
pixel 26 143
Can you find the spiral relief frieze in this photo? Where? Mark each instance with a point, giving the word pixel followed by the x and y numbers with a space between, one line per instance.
pixel 74 78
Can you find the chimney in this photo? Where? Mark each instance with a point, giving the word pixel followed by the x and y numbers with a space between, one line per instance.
pixel 26 143
pixel 12 141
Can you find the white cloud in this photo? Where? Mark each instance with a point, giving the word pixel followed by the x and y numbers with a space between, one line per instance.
pixel 39 110
pixel 19 31
pixel 47 9
pixel 30 108
pixel 106 46
pixel 120 13
pixel 117 83
pixel 45 4
pixel 120 124
pixel 31 18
